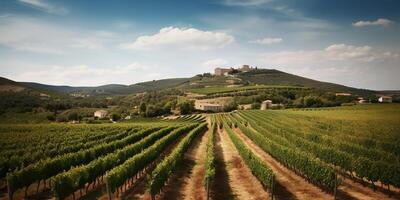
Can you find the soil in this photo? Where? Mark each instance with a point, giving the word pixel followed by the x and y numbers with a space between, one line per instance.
pixel 187 181
pixel 241 181
pixel 288 184
pixel 357 191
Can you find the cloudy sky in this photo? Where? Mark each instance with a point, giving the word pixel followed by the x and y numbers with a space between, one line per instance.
pixel 85 42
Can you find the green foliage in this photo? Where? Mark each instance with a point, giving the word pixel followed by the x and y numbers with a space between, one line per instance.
pixel 316 171
pixel 210 160
pixel 47 168
pixel 345 137
pixel 115 116
pixel 262 171
pixel 186 107
pixel 160 175
pixel 118 175
pixel 74 116
pixel 230 106
pixel 142 107
pixel 66 183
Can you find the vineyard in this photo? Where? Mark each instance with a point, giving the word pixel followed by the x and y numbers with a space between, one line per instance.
pixel 330 153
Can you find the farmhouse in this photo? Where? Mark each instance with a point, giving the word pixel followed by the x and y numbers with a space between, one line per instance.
pixel 362 101
pixel 100 114
pixel 208 106
pixel 385 99
pixel 266 104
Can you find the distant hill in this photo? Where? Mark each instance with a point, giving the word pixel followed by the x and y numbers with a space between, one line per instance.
pixel 276 77
pixel 110 89
pixel 259 76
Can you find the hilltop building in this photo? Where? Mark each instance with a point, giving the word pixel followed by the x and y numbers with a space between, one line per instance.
pixel 225 71
pixel 385 99
pixel 222 71
pixel 100 114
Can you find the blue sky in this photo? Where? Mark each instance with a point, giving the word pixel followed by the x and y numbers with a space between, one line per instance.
pixel 355 43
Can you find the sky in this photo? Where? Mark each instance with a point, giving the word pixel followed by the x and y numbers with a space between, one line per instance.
pixel 90 43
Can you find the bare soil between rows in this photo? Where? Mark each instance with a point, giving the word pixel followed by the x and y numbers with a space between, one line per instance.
pixel 301 189
pixel 243 184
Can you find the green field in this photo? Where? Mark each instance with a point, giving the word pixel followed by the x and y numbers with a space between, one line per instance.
pixel 224 89
pixel 362 141
pixel 320 144
pixel 72 156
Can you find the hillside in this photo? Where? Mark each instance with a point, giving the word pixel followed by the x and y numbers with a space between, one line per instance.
pixel 110 89
pixel 276 77
pixel 266 77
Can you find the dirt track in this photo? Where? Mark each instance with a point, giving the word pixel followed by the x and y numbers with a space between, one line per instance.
pixel 288 184
pixel 187 181
pixel 244 185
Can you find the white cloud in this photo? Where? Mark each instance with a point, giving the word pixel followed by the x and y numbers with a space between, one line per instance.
pixel 335 52
pixel 267 41
pixel 245 2
pixel 45 6
pixel 181 38
pixel 218 62
pixel 378 22
pixel 27 34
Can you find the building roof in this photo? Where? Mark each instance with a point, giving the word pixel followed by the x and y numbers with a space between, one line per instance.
pixel 210 104
pixel 101 111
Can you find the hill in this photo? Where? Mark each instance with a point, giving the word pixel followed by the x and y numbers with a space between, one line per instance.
pixel 276 77
pixel 110 89
pixel 265 77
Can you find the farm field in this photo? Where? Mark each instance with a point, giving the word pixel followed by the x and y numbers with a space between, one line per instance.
pixel 340 152
pixel 225 89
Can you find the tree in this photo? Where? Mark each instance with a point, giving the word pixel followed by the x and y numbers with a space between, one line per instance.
pixel 186 107
pixel 73 116
pixel 255 105
pixel 142 108
pixel 313 101
pixel 231 105
pixel 115 116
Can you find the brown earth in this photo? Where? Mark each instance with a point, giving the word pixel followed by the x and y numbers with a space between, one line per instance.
pixel 241 181
pixel 347 190
pixel 288 184
pixel 187 181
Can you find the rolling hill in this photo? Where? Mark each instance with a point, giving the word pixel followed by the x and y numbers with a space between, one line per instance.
pixel 267 77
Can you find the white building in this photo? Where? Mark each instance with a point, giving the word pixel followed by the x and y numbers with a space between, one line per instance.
pixel 209 107
pixel 385 99
pixel 266 104
pixel 100 114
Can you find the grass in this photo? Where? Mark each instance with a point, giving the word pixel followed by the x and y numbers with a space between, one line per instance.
pixel 224 89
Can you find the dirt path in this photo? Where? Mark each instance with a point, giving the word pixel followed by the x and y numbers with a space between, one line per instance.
pixel 288 184
pixel 187 181
pixel 358 191
pixel 243 183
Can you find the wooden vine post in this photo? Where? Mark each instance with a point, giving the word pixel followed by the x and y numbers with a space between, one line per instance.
pixel 10 194
pixel 108 190
pixel 208 189
pixel 335 188
pixel 272 188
